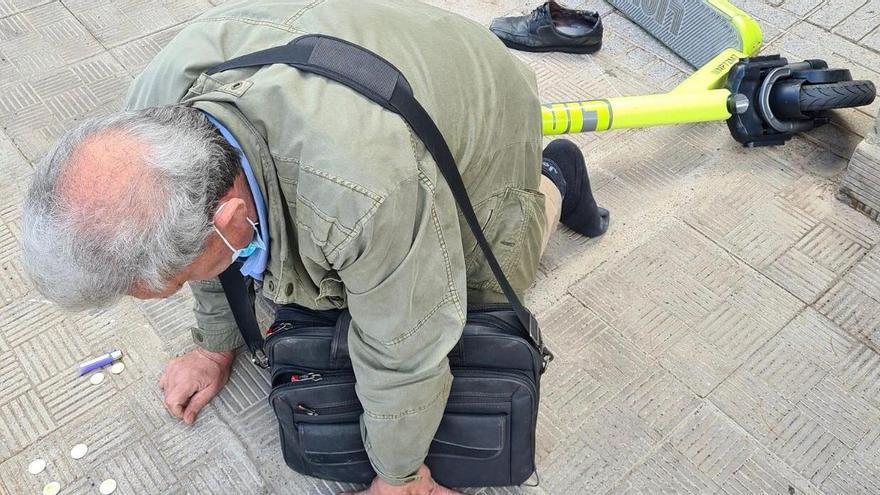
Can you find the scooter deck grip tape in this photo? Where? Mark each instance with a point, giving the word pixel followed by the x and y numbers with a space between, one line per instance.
pixel 693 29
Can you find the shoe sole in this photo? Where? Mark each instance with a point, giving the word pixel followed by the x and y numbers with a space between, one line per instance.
pixel 695 30
pixel 565 49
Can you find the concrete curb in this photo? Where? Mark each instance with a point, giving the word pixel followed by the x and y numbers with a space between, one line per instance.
pixel 860 187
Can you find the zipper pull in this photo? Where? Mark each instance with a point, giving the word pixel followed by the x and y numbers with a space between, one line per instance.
pixel 278 328
pixel 305 410
pixel 308 377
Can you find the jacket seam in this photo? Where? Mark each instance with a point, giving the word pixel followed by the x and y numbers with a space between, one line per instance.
pixel 342 182
pixel 254 22
pixel 358 226
pixel 450 279
pixel 303 11
pixel 216 329
pixel 323 215
pixel 516 254
pixel 424 319
pixel 318 242
pixel 409 412
pixel 284 158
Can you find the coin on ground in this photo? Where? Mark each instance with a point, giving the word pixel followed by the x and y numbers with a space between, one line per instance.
pixel 97 378
pixel 52 488
pixel 79 451
pixel 117 367
pixel 37 466
pixel 107 487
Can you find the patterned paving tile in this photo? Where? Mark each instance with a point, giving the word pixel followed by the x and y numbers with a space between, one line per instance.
pixel 852 309
pixel 666 471
pixel 576 397
pixel 15 168
pixel 114 23
pixel 860 371
pixel 831 248
pixel 805 445
pixel 752 403
pixel 659 399
pixel 23 420
pixel 861 22
pixel 230 471
pixel 136 54
pixel 764 473
pixel 138 468
pixel 171 319
pixel 40 39
pixel 722 338
pixel 859 472
pixel 569 327
pixel 717 446
pixel 801 275
pixel 19 320
pixel 247 386
pixel 10 7
pixel 844 415
pixel 607 446
pixel 792 378
pixel 37 110
pixel 865 275
pixel 766 234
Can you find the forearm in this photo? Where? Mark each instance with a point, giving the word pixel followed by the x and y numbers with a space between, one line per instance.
pixel 403 390
pixel 215 329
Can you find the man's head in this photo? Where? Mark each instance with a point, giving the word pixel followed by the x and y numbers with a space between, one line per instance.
pixel 124 204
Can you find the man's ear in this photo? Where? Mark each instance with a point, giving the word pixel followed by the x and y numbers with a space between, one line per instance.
pixel 230 214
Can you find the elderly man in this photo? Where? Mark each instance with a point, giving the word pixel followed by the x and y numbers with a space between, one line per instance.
pixel 329 199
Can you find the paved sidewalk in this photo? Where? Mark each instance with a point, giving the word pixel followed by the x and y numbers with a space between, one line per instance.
pixel 723 337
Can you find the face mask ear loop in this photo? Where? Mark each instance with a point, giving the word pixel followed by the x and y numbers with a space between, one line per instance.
pixel 218 230
pixel 234 251
pixel 224 239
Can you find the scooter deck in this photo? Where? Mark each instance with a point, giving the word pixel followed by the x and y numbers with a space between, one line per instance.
pixel 696 30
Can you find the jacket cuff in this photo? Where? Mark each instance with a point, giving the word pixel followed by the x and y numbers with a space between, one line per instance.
pixel 218 339
pixel 396 481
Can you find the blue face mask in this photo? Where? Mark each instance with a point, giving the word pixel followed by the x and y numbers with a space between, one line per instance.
pixel 256 243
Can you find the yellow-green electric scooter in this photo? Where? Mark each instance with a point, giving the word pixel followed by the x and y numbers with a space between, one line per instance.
pixel 765 100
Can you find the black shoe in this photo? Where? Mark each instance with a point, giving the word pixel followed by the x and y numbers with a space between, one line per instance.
pixel 551 28
pixel 579 209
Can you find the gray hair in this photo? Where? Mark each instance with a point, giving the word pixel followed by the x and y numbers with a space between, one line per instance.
pixel 84 259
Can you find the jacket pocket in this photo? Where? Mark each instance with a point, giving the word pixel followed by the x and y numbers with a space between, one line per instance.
pixel 514 229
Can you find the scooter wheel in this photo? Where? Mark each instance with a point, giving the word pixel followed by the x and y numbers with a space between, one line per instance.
pixel 842 94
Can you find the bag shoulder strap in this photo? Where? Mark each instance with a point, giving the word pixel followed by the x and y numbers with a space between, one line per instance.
pixel 380 81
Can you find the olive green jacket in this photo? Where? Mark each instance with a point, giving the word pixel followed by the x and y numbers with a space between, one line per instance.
pixel 358 214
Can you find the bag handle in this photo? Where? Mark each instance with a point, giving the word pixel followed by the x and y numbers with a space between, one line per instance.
pixel 380 81
pixel 339 346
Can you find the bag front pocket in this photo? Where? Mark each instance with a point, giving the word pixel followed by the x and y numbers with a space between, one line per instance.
pixel 476 443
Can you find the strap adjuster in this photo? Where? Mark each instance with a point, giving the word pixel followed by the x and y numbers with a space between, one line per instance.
pixel 260 359
pixel 547 357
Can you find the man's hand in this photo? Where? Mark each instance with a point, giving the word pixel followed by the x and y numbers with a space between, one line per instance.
pixel 192 380
pixel 425 485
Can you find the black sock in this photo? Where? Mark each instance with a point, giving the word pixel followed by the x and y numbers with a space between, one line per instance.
pixel 550 170
pixel 579 209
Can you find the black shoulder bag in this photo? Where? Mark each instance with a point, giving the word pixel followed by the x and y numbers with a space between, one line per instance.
pixel 487 435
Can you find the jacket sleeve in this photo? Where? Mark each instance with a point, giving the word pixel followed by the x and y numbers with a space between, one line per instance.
pixel 215 326
pixel 404 275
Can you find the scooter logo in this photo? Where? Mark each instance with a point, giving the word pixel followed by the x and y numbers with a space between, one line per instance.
pixel 658 10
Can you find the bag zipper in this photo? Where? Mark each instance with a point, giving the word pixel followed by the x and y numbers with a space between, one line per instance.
pixel 308 377
pixel 356 406
pixel 327 410
pixel 460 399
pixel 480 317
pixel 512 376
